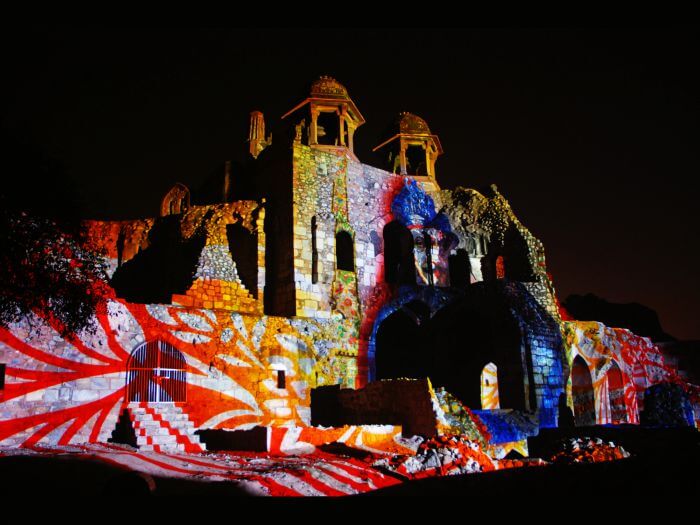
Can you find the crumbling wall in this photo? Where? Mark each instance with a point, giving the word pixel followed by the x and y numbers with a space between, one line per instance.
pixel 509 241
pixel 639 360
pixel 405 402
pixel 217 283
pixel 498 322
pixel 149 258
pixel 118 241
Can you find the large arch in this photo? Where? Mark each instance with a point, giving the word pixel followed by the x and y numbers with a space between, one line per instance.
pixel 467 330
pixel 516 257
pixel 582 393
pixel 435 298
pixel 402 344
pixel 465 336
pixel 616 394
pixel 156 374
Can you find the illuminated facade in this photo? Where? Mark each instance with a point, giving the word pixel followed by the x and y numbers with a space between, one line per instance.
pixel 305 267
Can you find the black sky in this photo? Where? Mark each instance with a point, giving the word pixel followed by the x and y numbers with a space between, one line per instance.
pixel 591 134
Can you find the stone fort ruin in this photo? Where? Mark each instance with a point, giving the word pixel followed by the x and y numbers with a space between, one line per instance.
pixel 305 273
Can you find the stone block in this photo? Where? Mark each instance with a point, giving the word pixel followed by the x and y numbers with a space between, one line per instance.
pixel 85 395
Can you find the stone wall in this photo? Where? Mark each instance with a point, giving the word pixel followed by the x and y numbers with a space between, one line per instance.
pixel 69 389
pixel 405 402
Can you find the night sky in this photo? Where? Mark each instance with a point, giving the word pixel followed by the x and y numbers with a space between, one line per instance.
pixel 592 135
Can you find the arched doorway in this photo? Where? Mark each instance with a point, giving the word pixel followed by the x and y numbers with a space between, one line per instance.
pixel 460 269
pixel 582 392
pixel 489 388
pixel 156 374
pixel 616 394
pixel 401 346
pixel 399 263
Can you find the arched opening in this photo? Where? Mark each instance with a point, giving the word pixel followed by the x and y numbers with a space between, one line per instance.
pixel 516 257
pixel 243 247
pixel 582 392
pixel 166 267
pixel 121 242
pixel 314 251
pixel 462 335
pixel 156 374
pixel 460 269
pixel 328 128
pixel 428 266
pixel 500 267
pixel 415 160
pixel 616 394
pixel 176 201
pixel 399 265
pixel 489 388
pixel 401 343
pixel 344 252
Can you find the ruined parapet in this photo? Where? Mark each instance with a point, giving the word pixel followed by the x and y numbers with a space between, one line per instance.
pixel 217 280
pixel 611 368
pixel 175 201
pixel 118 241
pixel 497 243
pixel 256 134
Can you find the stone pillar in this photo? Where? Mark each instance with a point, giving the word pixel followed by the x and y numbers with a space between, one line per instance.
pixel 351 135
pixel 313 132
pixel 402 155
pixel 341 126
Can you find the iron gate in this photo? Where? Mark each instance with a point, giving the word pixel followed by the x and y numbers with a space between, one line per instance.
pixel 156 374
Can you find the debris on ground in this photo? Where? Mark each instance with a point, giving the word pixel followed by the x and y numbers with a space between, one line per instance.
pixel 440 456
pixel 587 450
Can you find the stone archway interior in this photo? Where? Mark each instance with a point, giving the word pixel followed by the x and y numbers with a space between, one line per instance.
pixel 582 392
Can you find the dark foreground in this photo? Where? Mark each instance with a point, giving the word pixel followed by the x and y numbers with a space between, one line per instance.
pixel 658 482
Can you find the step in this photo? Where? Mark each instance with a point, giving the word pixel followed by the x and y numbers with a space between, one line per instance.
pixel 165 417
pixel 164 428
pixel 163 448
pixel 146 423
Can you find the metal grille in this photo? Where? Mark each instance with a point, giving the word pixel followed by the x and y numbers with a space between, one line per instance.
pixel 156 374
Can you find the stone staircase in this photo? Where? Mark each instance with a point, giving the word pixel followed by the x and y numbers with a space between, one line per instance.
pixel 163 427
pixel 219 295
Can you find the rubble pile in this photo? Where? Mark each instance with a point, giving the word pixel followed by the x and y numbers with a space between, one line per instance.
pixel 440 456
pixel 587 450
pixel 518 463
pixel 459 419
